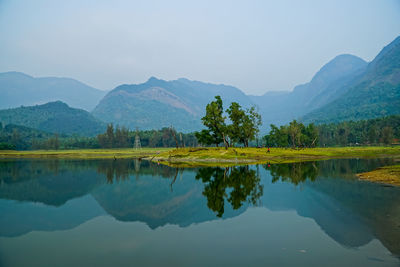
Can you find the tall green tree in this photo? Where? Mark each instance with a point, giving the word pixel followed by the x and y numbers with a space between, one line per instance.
pixel 294 131
pixel 214 120
pixel 387 135
pixel 110 135
pixel 235 129
pixel 251 125
pixel 310 136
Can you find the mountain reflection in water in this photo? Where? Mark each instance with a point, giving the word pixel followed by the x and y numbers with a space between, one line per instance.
pixel 62 194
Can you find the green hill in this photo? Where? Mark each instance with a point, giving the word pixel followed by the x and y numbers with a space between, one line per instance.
pixel 374 94
pixel 53 117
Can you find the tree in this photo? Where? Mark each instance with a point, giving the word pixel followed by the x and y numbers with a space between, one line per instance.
pixel 251 124
pixel 15 138
pixel 110 136
pixel 215 122
pixel 56 142
pixel 204 137
pixel 310 135
pixel 294 131
pixel 121 137
pixel 387 135
pixel 372 134
pixel 277 136
pixel 237 117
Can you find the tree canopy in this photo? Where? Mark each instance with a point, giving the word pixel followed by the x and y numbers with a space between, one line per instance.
pixel 243 128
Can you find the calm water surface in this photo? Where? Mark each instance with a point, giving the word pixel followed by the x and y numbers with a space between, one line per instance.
pixel 136 213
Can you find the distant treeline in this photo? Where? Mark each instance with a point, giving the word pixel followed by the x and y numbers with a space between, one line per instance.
pixel 166 137
pixel 24 138
pixel 380 131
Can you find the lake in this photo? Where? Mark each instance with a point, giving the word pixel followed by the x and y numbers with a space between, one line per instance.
pixel 137 213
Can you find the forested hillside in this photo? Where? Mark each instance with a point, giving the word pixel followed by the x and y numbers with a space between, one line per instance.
pixel 157 103
pixel 21 137
pixel 327 84
pixel 375 94
pixel 54 117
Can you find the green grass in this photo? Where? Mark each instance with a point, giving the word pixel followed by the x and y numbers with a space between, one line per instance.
pixel 385 175
pixel 207 156
pixel 212 156
pixel 84 153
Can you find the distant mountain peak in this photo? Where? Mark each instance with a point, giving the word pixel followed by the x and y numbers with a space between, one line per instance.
pixel 375 93
pixel 21 89
pixel 57 104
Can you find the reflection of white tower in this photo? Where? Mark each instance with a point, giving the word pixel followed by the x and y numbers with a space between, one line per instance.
pixel 137 140
pixel 137 165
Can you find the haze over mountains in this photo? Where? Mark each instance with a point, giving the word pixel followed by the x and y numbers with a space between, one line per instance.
pixel 373 94
pixel 158 103
pixel 19 89
pixel 328 83
pixel 346 88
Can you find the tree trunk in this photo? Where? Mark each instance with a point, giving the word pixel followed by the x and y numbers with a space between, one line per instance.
pixel 174 135
pixel 225 142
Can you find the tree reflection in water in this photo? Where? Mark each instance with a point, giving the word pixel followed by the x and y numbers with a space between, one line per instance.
pixel 293 172
pixel 234 184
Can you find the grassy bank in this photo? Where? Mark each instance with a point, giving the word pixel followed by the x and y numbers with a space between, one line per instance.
pixel 385 175
pixel 211 156
pixel 85 153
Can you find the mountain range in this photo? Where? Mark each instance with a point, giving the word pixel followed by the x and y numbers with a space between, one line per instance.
pixel 346 88
pixel 19 89
pixel 158 103
pixel 374 93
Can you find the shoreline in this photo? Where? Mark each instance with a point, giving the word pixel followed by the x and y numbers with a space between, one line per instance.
pixel 82 153
pixel 209 155
pixel 388 175
pixel 231 156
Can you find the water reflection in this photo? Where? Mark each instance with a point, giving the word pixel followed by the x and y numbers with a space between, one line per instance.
pixel 61 194
pixel 235 184
pixel 295 172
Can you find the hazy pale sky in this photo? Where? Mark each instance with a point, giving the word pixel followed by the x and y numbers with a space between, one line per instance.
pixel 256 46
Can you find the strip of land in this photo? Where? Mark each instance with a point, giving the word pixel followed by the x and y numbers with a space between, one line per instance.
pixel 385 175
pixel 218 156
pixel 212 155
pixel 85 153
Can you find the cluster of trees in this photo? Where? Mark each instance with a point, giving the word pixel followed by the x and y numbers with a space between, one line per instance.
pixel 296 134
pixel 243 128
pixel 365 132
pixel 381 131
pixel 166 137
pixel 24 138
pixel 114 138
pixel 21 138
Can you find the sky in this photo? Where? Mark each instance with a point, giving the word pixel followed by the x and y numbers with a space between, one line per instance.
pixel 255 45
